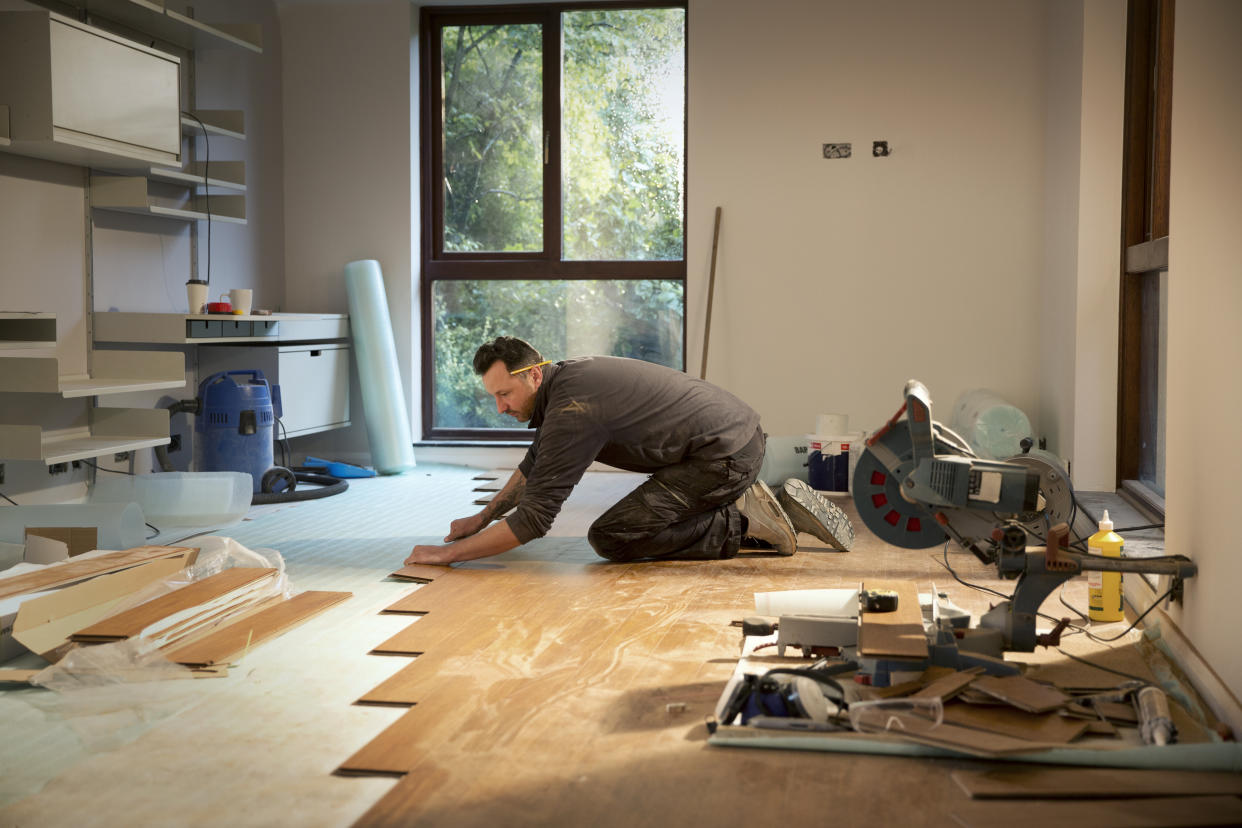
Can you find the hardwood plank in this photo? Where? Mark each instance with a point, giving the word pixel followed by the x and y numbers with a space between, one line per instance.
pixel 946 687
pixel 1093 783
pixel 1171 812
pixel 420 573
pixel 1037 727
pixel 133 621
pixel 1021 692
pixel 225 644
pixel 896 634
pixel 80 570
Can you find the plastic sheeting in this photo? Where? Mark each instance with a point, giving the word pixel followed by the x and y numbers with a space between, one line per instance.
pixel 993 428
pixel 383 397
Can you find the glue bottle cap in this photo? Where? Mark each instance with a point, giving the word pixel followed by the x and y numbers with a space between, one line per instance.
pixel 1106 525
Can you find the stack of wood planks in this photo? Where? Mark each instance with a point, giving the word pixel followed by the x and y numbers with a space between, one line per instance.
pixel 201 623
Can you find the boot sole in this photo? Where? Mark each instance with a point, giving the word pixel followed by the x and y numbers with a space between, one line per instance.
pixel 813 514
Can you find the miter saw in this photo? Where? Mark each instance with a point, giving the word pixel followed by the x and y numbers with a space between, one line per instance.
pixel 918 484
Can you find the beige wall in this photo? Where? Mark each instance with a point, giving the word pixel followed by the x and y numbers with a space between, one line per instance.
pixel 1204 453
pixel 349 168
pixel 837 280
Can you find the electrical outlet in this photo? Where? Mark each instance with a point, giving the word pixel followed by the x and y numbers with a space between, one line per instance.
pixel 837 150
pixel 174 442
pixel 1 473
pixel 880 149
pixel 121 456
pixel 58 468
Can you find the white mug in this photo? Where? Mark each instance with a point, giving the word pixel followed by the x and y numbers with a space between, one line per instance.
pixel 241 299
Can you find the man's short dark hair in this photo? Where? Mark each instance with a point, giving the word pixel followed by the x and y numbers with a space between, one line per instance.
pixel 513 352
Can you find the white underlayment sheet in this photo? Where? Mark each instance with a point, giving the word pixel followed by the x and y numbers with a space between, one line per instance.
pixel 268 737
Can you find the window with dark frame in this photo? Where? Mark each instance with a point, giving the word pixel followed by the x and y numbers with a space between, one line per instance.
pixel 1145 252
pixel 553 202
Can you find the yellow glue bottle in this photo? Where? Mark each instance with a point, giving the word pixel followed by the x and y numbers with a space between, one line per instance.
pixel 1104 588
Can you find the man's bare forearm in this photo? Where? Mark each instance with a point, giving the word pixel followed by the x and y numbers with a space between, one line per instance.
pixel 506 498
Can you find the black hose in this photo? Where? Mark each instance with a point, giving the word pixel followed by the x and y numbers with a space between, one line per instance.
pixel 326 487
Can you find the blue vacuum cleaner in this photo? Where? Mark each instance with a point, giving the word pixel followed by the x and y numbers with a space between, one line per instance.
pixel 235 430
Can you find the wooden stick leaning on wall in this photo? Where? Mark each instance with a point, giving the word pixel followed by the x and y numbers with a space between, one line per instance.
pixel 711 290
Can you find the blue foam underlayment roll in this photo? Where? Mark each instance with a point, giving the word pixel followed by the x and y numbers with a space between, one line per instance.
pixel 383 397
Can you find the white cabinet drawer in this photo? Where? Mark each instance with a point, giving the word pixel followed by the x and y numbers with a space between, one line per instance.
pixel 313 380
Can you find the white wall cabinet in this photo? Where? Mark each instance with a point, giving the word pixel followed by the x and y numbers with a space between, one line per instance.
pixel 81 95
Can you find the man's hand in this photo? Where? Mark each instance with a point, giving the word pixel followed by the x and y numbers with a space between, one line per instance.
pixel 491 541
pixel 429 554
pixel 464 527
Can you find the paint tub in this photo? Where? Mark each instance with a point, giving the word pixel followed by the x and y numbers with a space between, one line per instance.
pixel 831 460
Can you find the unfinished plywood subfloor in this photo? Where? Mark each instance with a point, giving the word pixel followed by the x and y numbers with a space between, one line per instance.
pixel 572 691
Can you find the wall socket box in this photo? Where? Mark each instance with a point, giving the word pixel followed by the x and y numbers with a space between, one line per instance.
pixel 837 150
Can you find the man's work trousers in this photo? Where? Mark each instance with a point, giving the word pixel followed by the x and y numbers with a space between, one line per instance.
pixel 682 512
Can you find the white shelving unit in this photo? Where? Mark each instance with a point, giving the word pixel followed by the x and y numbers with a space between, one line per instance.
pixel 112 372
pixel 28 364
pixel 21 332
pixel 219 175
pixel 225 123
pixel 109 430
pixel 172 21
pixel 131 194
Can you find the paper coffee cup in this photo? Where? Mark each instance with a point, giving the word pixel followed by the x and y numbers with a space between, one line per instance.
pixel 196 295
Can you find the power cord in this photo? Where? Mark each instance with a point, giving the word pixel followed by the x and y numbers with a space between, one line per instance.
pixel 9 499
pixel 98 467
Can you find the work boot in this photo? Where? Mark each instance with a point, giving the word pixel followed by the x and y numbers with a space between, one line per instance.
pixel 816 515
pixel 766 520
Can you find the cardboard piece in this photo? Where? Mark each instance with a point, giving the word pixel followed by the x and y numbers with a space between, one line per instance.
pixel 172 607
pixel 1093 783
pixel 14 675
pixel 225 644
pixel 1021 692
pixel 78 539
pixel 896 634
pixel 43 551
pixel 43 625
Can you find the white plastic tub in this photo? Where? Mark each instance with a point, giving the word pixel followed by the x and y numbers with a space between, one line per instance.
pixel 176 499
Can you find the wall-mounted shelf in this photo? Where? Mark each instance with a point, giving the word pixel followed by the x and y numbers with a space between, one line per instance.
pixel 221 175
pixel 227 123
pixel 113 372
pixel 130 194
pixel 172 22
pixel 214 329
pixel 110 430
pixel 26 331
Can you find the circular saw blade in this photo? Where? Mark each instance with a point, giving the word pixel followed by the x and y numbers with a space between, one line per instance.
pixel 877 495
